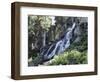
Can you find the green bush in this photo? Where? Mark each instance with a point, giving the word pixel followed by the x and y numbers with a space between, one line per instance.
pixel 59 59
pixel 69 58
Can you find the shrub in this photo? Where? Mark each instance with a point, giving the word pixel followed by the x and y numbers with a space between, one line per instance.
pixel 69 58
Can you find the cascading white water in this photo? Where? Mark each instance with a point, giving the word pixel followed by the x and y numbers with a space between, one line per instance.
pixel 58 47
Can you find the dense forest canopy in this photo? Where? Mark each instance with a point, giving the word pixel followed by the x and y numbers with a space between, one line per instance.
pixel 46 31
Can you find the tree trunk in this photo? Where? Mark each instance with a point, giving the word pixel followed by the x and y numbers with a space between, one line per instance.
pixel 44 38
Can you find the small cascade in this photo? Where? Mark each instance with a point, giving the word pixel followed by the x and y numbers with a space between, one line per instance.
pixel 59 46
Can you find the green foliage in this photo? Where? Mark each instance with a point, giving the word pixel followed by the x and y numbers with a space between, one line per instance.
pixel 45 22
pixel 38 26
pixel 70 57
pixel 81 45
pixel 36 21
pixel 59 59
pixel 76 57
pixel 34 55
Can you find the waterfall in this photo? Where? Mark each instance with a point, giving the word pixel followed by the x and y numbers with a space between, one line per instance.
pixel 58 47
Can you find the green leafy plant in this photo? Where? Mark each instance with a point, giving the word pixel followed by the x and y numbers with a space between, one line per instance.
pixel 70 57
